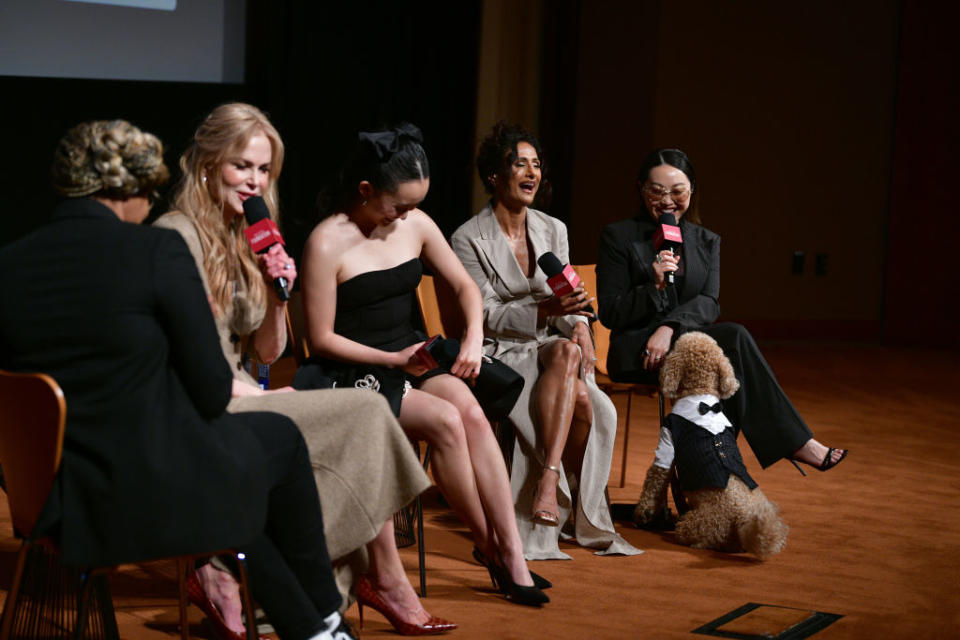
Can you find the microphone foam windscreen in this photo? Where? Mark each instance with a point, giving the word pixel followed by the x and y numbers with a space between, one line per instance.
pixel 665 218
pixel 255 210
pixel 550 264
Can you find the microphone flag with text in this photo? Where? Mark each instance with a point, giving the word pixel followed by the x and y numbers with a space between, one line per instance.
pixel 668 236
pixel 561 278
pixel 262 234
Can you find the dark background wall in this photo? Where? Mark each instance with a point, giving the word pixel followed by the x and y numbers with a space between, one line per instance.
pixel 922 293
pixel 821 127
pixel 323 71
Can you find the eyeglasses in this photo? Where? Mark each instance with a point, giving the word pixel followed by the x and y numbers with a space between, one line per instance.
pixel 522 164
pixel 658 193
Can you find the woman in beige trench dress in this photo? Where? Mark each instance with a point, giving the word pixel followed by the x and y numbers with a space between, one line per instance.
pixel 565 425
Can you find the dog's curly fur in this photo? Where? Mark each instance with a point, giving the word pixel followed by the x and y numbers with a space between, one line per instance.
pixel 697 365
pixel 732 519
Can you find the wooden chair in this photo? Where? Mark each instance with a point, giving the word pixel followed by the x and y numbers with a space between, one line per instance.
pixel 441 316
pixel 403 519
pixel 601 336
pixel 46 598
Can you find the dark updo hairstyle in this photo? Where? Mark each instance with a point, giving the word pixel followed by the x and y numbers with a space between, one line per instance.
pixel 385 158
pixel 499 150
pixel 674 158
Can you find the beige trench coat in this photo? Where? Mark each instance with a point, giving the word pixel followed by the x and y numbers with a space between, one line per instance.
pixel 511 334
pixel 362 461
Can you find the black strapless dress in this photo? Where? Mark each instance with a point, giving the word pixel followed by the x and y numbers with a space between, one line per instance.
pixel 375 308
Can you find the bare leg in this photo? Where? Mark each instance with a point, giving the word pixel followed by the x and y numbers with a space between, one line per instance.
pixel 491 475
pixel 437 421
pixel 579 430
pixel 556 398
pixel 388 578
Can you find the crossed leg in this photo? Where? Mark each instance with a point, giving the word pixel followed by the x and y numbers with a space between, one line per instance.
pixel 566 414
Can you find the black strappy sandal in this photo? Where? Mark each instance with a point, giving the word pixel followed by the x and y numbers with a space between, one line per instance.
pixel 828 462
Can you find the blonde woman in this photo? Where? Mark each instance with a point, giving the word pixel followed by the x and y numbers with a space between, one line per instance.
pixel 363 463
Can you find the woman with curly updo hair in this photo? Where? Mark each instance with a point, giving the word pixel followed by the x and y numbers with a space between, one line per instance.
pixel 363 464
pixel 153 466
pixel 109 158
pixel 565 425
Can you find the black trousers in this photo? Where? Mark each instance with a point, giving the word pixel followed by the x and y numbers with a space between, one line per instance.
pixel 760 409
pixel 290 571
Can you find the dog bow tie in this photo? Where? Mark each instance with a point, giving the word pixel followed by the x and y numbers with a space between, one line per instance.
pixel 705 408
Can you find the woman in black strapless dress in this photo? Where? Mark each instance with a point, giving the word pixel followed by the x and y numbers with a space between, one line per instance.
pixel 361 266
pixel 375 308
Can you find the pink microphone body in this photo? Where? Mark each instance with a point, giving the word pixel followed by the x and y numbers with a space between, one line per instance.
pixel 564 282
pixel 262 235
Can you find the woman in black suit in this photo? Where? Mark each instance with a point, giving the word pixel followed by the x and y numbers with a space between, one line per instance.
pixel 152 466
pixel 646 315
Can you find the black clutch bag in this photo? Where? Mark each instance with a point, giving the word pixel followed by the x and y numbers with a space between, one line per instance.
pixel 496 388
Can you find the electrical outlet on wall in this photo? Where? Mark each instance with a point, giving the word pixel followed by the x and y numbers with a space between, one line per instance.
pixel 799 263
pixel 821 264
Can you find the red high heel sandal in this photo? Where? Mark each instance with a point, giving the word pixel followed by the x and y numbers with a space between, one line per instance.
pixel 367 596
pixel 197 596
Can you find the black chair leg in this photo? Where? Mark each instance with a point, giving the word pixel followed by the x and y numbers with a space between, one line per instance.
pixel 83 604
pixel 108 617
pixel 626 438
pixel 247 598
pixel 420 549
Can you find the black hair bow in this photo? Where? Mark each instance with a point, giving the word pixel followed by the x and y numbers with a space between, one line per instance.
pixel 387 143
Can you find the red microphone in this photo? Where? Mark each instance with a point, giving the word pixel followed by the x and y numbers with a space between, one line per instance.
pixel 561 278
pixel 668 236
pixel 262 234
pixel 424 357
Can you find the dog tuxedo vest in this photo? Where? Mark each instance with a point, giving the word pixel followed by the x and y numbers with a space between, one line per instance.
pixel 706 459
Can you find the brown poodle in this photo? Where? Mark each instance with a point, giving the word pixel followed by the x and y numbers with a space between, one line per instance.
pixel 728 511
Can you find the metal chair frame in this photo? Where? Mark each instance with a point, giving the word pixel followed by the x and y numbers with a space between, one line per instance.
pixel 31 445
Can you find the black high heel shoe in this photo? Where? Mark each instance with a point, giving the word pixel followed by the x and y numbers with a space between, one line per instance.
pixel 826 464
pixel 530 596
pixel 538 580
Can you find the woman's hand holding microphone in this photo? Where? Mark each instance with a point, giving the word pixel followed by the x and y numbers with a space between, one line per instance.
pixel 665 262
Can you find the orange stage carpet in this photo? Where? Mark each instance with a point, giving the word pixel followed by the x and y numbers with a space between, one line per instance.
pixel 876 540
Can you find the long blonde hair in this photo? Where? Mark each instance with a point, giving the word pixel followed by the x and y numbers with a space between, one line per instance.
pixel 226 255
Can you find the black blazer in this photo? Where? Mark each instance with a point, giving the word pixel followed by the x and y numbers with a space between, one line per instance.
pixel 627 298
pixel 117 314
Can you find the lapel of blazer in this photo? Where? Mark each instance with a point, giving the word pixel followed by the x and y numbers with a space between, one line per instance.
pixel 695 267
pixel 540 243
pixel 494 246
pixel 643 254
